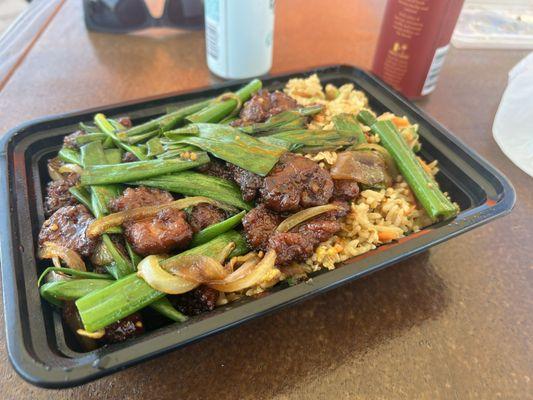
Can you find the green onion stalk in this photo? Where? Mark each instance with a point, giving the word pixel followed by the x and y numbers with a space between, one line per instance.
pixel 286 120
pixel 93 154
pixel 70 156
pixel 348 123
pixel 107 127
pixel 139 170
pixel 190 183
pixel 212 231
pixel 168 121
pixel 424 186
pixel 226 105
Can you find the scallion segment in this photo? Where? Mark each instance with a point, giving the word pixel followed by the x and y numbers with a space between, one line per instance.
pixel 107 127
pixel 348 123
pixel 286 120
pixel 139 170
pixel 311 140
pixel 168 121
pixel 191 183
pixel 58 291
pixel 425 188
pixel 93 154
pixel 219 109
pixel 164 307
pixel 69 156
pixel 212 231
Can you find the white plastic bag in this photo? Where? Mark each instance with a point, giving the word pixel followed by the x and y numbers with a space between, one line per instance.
pixel 513 124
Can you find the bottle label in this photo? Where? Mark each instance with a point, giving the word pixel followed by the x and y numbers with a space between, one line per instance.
pixel 212 17
pixel 434 70
pixel 238 36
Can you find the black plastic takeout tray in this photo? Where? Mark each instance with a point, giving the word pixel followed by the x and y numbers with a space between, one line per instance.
pixel 43 352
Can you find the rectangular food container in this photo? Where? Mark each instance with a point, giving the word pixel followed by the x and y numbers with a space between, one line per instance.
pixel 43 352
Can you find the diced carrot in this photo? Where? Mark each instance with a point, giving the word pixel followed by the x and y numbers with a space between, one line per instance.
pixel 387 236
pixel 425 166
pixel 400 122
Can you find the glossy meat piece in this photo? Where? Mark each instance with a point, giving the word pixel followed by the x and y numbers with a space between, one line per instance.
pixel 196 301
pixel 248 182
pixel 298 244
pixel 204 215
pixel 124 329
pixel 166 231
pixel 345 189
pixel 58 195
pixel 259 224
pixel 296 182
pixel 318 229
pixel 125 121
pixel 70 140
pixel 140 197
pixel 216 167
pixel 263 105
pixel 67 227
pixel 129 157
pixel 290 247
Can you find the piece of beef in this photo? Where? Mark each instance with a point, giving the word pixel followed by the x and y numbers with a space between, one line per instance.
pixel 70 140
pixel 296 182
pixel 67 227
pixel 259 224
pixel 263 105
pixel 248 182
pixel 124 329
pixel 129 157
pixel 140 197
pixel 217 168
pixel 203 215
pixel 298 244
pixel 58 195
pixel 290 247
pixel 195 302
pixel 125 122
pixel 318 229
pixel 166 231
pixel 345 189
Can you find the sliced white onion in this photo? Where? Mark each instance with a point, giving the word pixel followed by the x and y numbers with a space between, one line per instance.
pixel 304 215
pixel 226 251
pixel 70 169
pixel 70 257
pixel 159 279
pixel 196 268
pixel 251 273
pixel 92 335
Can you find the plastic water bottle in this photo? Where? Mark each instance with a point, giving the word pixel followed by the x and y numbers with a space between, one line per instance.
pixel 239 37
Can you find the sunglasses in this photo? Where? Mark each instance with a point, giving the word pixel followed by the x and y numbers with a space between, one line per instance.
pixel 122 16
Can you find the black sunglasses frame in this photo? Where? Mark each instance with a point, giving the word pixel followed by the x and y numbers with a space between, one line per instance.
pixel 150 21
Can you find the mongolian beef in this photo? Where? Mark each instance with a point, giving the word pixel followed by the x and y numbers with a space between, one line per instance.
pixel 224 199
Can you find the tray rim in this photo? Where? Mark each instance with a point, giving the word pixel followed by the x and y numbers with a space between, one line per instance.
pixel 43 375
